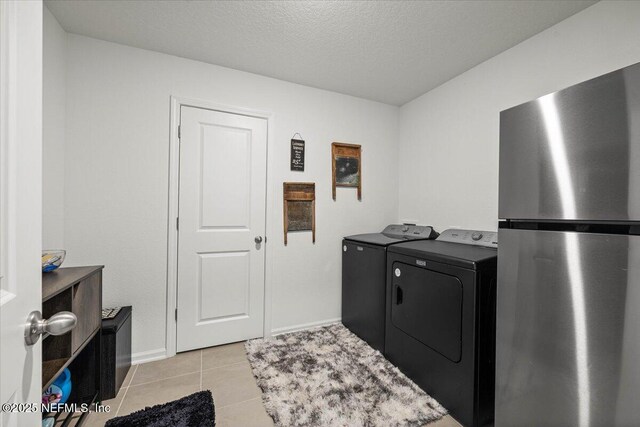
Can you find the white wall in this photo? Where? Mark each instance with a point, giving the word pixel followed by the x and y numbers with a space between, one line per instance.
pixel 117 165
pixel 53 131
pixel 449 136
pixel 117 148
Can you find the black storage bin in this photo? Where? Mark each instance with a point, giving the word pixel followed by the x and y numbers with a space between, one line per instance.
pixel 116 352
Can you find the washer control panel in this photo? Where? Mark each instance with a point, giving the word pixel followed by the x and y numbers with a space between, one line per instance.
pixel 409 231
pixel 488 239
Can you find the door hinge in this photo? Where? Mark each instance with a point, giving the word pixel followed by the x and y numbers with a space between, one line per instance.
pixel 176 314
pixel 177 223
pixel 179 132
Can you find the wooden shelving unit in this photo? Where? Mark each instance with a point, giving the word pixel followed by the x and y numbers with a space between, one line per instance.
pixel 79 290
pixel 51 369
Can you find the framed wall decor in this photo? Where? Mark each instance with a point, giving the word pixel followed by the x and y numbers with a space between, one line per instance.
pixel 299 204
pixel 346 167
pixel 297 155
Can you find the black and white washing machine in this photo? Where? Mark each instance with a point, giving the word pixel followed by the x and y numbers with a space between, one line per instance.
pixel 440 327
pixel 364 267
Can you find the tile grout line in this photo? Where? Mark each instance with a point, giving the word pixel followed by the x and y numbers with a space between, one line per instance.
pixel 225 366
pixel 201 371
pixel 135 370
pixel 126 390
pixel 186 373
pixel 182 375
pixel 241 402
pixel 161 379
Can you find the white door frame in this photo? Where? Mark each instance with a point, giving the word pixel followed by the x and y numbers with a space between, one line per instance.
pixel 174 189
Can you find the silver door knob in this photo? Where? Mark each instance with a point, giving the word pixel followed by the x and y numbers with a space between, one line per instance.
pixel 258 239
pixel 59 324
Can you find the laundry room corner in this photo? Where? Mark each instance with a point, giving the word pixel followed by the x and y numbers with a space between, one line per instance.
pixel 305 276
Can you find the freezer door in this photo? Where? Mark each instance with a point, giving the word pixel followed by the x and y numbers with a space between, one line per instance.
pixel 568 329
pixel 574 154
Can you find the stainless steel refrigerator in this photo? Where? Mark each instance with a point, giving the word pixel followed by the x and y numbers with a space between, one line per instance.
pixel 568 297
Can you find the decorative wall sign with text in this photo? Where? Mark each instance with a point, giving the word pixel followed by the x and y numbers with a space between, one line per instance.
pixel 299 203
pixel 297 155
pixel 346 167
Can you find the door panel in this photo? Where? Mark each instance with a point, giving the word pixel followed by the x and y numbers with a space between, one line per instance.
pixel 574 154
pixel 224 285
pixel 568 329
pixel 225 175
pixel 221 211
pixel 20 207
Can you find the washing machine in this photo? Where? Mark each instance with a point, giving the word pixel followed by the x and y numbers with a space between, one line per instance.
pixel 440 326
pixel 364 267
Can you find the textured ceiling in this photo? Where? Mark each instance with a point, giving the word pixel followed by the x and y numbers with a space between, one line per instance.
pixel 388 51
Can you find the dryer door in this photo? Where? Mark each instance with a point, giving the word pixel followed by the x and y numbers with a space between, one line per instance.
pixel 427 305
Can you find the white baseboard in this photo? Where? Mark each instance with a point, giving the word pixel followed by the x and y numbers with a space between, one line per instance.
pixel 161 353
pixel 303 326
pixel 148 356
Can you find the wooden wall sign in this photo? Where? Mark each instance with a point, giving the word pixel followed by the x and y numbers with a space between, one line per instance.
pixel 299 208
pixel 297 155
pixel 346 167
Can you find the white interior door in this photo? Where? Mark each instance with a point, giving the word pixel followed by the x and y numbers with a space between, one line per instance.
pixel 20 207
pixel 221 228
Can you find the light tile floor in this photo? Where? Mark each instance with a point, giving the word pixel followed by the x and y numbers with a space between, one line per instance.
pixel 224 370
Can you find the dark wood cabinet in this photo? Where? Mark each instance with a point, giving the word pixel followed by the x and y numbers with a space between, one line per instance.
pixel 86 305
pixel 79 290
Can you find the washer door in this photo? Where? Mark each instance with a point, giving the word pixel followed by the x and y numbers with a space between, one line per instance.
pixel 427 305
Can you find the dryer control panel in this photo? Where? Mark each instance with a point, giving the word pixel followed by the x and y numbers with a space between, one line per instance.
pixel 409 231
pixel 488 239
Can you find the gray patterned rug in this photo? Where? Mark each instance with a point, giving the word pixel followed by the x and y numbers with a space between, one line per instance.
pixel 329 377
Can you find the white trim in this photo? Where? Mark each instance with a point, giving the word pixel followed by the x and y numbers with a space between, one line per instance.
pixel 172 241
pixel 304 326
pixel 148 356
pixel 8 144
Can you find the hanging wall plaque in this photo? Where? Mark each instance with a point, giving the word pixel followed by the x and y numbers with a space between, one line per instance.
pixel 297 155
pixel 346 167
pixel 299 208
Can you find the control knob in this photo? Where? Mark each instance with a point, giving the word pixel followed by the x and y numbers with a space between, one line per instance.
pixel 476 236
